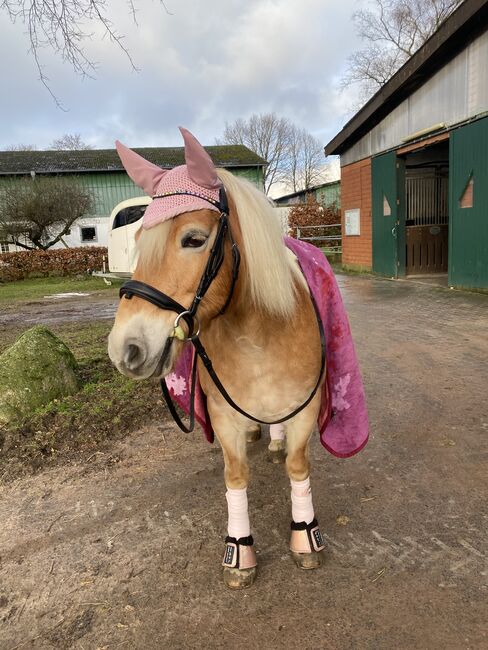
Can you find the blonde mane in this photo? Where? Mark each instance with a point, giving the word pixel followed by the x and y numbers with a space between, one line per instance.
pixel 272 273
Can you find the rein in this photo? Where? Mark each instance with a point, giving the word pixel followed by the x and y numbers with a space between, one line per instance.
pixel 163 301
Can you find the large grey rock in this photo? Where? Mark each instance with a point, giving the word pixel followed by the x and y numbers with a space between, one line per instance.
pixel 35 370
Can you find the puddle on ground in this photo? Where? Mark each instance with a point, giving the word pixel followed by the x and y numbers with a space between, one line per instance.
pixel 74 294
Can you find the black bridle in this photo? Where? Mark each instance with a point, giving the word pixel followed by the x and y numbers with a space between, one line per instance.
pixel 189 315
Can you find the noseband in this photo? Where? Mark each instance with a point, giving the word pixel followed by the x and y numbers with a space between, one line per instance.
pixel 189 315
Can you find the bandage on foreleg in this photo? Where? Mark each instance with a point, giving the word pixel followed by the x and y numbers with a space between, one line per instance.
pixel 238 523
pixel 301 501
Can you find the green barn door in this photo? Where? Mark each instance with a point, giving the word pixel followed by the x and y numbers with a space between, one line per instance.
pixel 468 196
pixel 388 237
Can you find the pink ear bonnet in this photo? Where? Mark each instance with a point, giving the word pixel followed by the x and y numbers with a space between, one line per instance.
pixel 194 186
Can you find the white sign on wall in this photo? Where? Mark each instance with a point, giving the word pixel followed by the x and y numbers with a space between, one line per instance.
pixel 352 218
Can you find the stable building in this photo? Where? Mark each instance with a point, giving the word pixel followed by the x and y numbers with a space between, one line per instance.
pixel 327 194
pixel 101 172
pixel 414 162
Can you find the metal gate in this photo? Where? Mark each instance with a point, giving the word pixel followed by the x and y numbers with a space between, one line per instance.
pixel 327 237
pixel 426 220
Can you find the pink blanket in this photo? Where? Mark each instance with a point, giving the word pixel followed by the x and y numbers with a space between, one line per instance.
pixel 343 418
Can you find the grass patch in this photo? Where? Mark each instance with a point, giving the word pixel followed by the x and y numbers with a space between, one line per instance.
pixel 37 288
pixel 107 407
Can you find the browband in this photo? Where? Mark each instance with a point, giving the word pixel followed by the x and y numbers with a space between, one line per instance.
pixel 221 204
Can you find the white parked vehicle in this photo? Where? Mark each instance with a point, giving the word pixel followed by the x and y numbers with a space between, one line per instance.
pixel 125 220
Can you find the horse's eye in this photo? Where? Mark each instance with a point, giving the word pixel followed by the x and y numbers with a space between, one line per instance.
pixel 193 241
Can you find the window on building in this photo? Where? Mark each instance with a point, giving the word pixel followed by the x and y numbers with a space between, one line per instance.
pixel 466 200
pixel 88 233
pixel 4 248
pixel 386 207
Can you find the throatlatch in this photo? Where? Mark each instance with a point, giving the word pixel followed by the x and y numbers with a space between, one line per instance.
pixel 189 315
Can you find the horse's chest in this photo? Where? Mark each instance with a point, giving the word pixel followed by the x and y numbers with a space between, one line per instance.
pixel 260 378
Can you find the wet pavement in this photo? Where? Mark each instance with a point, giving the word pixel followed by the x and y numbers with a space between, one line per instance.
pixel 123 549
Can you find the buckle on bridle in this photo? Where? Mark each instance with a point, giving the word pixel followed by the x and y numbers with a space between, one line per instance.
pixel 178 331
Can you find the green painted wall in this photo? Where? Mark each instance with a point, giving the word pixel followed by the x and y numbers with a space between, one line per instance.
pixel 329 194
pixel 110 188
pixel 468 226
pixel 252 174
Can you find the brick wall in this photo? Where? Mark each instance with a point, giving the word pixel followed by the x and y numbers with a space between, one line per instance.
pixel 356 193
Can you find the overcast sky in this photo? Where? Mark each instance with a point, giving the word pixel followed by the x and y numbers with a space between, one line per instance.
pixel 210 62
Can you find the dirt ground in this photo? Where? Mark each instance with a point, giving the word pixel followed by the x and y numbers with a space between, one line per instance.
pixel 122 549
pixel 51 309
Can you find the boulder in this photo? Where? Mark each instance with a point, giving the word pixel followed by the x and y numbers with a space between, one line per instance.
pixel 36 369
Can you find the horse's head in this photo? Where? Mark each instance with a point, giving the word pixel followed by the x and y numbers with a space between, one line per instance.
pixel 173 245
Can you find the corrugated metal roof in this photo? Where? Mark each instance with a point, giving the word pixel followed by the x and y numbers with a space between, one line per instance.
pixel 103 160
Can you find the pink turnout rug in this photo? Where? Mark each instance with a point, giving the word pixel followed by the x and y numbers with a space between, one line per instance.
pixel 343 417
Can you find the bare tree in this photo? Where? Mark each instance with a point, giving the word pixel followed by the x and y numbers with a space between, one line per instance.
pixel 392 30
pixel 267 135
pixel 21 147
pixel 70 142
pixel 305 161
pixel 38 212
pixel 65 27
pixel 294 156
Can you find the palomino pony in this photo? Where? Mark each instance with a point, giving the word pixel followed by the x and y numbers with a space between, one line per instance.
pixel 212 271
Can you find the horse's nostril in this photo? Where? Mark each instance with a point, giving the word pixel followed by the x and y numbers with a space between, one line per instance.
pixel 134 356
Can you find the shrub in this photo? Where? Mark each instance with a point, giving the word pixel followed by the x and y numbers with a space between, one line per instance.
pixel 312 213
pixel 59 261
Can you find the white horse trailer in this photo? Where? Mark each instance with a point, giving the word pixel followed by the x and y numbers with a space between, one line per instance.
pixel 125 221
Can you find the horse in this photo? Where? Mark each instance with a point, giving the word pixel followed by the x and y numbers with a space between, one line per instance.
pixel 257 324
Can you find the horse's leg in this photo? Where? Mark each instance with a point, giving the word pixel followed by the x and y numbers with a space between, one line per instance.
pixel 306 541
pixel 239 557
pixel 277 445
pixel 253 434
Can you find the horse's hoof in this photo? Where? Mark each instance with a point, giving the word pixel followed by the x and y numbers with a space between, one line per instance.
pixel 307 560
pixel 277 456
pixel 239 578
pixel 253 435
pixel 306 543
pixel 277 451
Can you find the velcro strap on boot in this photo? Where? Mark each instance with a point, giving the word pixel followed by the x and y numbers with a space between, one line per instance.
pixel 306 538
pixel 239 553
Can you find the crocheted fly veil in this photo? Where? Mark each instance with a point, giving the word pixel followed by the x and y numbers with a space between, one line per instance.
pixel 193 186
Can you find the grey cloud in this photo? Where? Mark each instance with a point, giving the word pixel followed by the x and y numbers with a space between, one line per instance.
pixel 207 64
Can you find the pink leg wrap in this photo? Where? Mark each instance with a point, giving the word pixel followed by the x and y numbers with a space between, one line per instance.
pixel 277 431
pixel 301 501
pixel 238 525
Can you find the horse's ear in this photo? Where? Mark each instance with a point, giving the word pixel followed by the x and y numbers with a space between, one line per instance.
pixel 200 167
pixel 143 173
